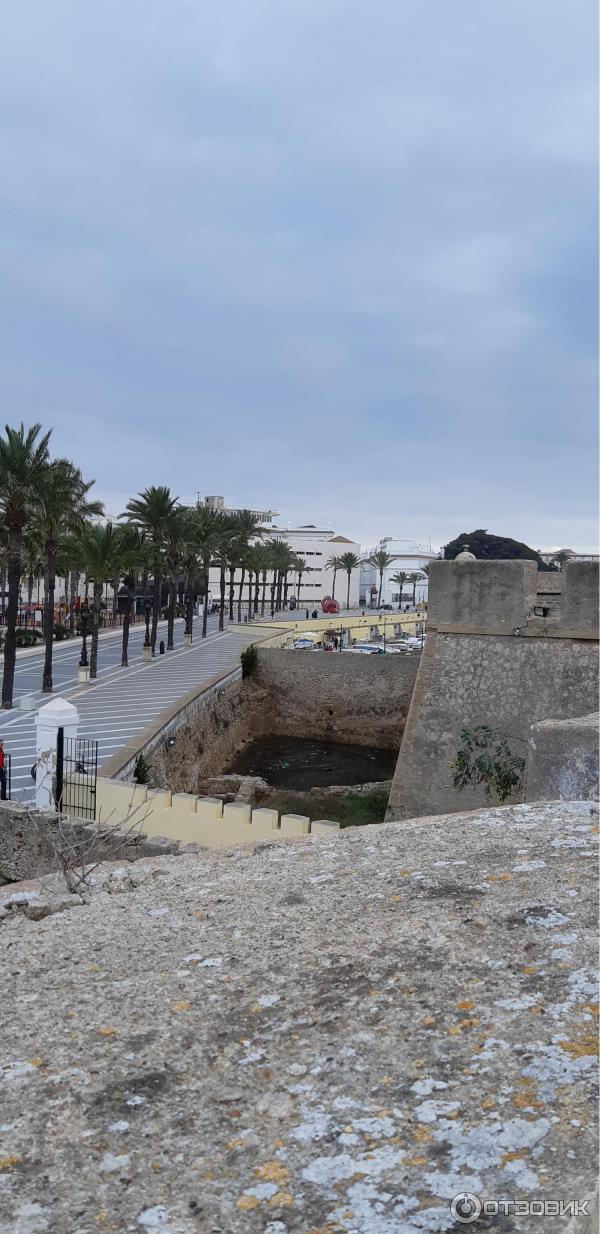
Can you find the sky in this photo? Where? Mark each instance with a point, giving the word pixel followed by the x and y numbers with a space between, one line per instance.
pixel 331 257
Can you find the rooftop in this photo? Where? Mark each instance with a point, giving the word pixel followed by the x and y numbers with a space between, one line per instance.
pixel 318 1035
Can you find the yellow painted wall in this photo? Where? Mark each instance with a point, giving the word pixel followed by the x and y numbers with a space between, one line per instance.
pixel 195 820
pixel 359 627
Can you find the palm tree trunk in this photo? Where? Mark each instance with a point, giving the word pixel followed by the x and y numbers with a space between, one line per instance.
pixel 240 593
pixel 189 606
pixel 380 588
pixel 115 608
pixel 49 589
pixel 15 537
pixel 256 593
pixel 95 630
pixel 29 590
pixel 273 589
pixel 127 622
pixel 231 590
pixel 250 581
pixel 206 568
pixel 156 605
pixel 73 589
pixel 222 597
pixel 171 612
pixel 264 588
pixel 333 587
pixel 348 593
pixel 299 587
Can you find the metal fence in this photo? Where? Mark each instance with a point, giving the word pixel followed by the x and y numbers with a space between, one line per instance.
pixel 76 775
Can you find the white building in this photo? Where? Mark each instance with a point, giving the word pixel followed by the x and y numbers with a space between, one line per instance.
pixel 409 559
pixel 315 545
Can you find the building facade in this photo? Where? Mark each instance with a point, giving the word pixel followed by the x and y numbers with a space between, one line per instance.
pixel 316 545
pixel 409 558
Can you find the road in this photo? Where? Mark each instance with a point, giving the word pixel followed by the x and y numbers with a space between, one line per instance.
pixel 122 701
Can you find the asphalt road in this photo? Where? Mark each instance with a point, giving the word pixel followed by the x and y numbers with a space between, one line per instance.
pixel 122 701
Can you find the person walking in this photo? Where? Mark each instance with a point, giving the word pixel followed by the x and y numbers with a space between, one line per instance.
pixel 2 771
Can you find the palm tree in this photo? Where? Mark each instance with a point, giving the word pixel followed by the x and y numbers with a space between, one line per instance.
pixel 61 506
pixel 23 454
pixel 134 561
pixel 150 511
pixel 302 567
pixel 414 579
pixel 281 558
pixel 103 550
pixel 349 562
pixel 246 529
pixel 380 560
pixel 207 528
pixel 335 564
pixel 400 578
pixel 227 535
pixel 177 533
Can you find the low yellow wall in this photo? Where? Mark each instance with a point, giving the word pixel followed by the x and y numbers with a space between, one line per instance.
pixel 196 820
pixel 360 627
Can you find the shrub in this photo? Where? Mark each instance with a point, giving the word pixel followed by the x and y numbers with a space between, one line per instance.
pixel 486 758
pixel 61 632
pixel 249 661
pixel 27 638
pixel 141 771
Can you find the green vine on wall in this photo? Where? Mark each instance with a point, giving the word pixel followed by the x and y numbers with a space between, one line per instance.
pixel 485 758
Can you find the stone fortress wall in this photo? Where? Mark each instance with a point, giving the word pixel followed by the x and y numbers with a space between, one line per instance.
pixel 505 647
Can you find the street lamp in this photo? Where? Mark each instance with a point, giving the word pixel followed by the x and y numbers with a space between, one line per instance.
pixel 147 617
pixel 83 616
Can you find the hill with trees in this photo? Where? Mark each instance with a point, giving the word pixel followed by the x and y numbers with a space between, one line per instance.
pixel 497 548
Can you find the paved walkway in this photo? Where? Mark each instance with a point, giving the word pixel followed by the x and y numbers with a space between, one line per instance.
pixel 122 701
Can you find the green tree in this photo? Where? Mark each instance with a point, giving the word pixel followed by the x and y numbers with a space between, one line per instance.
pixel 133 561
pixel 349 562
pixel 246 530
pixel 400 578
pixel 380 560
pixel 302 567
pixel 488 547
pixel 23 454
pixel 103 549
pixel 61 506
pixel 486 758
pixel 208 528
pixel 151 511
pixel 178 529
pixel 414 579
pixel 335 564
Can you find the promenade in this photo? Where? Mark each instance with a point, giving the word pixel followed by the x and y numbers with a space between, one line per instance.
pixel 122 701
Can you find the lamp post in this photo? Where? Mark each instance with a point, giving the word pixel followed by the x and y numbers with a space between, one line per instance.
pixel 147 619
pixel 84 613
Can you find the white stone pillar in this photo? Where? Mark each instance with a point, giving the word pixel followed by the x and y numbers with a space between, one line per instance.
pixel 57 714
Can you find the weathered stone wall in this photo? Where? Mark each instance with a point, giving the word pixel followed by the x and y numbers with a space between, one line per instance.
pixel 211 736
pixel 480 667
pixel 333 1034
pixel 31 842
pixel 347 698
pixel 562 760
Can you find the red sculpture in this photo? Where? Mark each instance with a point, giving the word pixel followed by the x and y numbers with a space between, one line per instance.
pixel 329 605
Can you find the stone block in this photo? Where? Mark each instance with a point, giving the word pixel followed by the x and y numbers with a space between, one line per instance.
pixel 184 803
pixel 264 823
pixel 323 826
pixel 209 809
pixel 481 595
pixel 295 825
pixel 579 605
pixel 562 760
pixel 238 813
pixel 160 798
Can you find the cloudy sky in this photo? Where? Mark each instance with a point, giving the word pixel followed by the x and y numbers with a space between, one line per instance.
pixel 329 256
